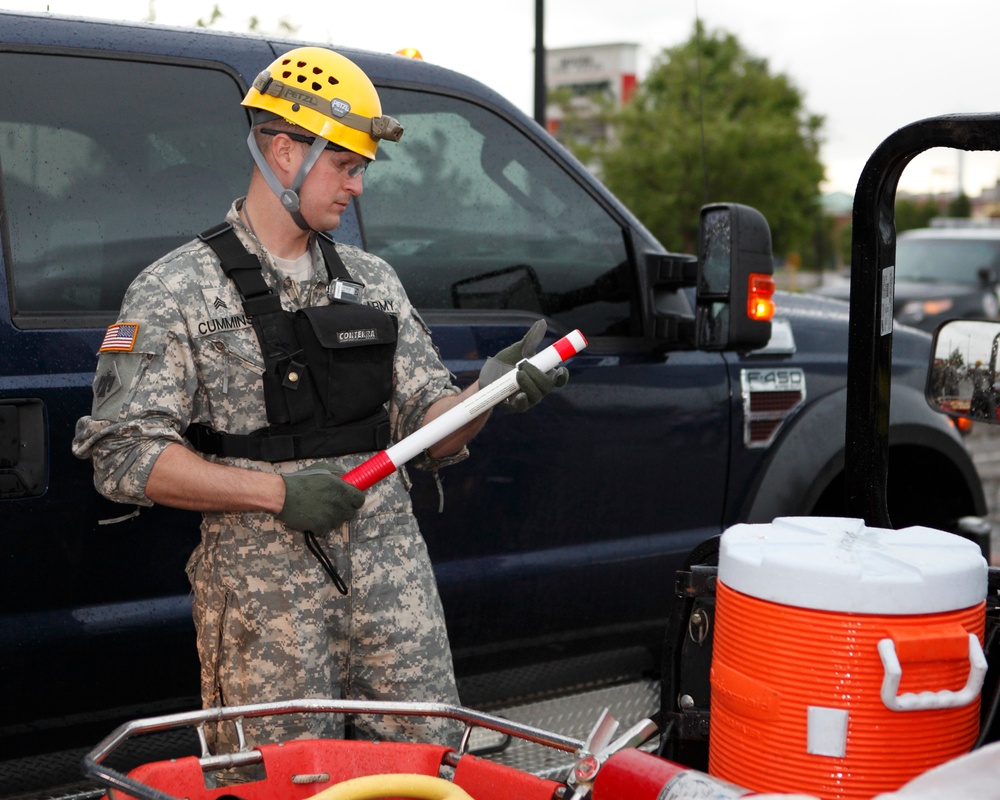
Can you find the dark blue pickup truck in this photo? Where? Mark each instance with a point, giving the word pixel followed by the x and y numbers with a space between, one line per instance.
pixel 558 539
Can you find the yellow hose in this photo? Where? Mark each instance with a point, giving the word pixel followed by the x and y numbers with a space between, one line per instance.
pixel 370 787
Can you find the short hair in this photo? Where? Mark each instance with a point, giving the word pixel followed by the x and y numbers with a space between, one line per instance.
pixel 273 123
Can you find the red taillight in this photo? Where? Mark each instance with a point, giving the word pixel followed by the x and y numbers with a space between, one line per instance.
pixel 760 297
pixel 964 425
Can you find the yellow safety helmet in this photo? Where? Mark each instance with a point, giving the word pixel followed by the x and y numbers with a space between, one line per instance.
pixel 328 95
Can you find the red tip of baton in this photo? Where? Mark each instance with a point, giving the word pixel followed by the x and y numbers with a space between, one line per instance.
pixel 565 346
pixel 370 472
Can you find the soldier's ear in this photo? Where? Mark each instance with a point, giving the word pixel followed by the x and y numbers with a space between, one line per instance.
pixel 286 153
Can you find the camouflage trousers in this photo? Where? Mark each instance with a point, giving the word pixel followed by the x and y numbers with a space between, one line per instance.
pixel 271 626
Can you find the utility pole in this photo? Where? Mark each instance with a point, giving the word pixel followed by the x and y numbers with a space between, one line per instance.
pixel 540 62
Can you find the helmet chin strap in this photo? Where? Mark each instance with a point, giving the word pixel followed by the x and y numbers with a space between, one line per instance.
pixel 289 197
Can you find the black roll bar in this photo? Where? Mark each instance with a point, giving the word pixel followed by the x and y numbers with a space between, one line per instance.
pixel 873 256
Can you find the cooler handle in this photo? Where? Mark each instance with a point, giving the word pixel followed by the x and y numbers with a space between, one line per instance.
pixel 923 701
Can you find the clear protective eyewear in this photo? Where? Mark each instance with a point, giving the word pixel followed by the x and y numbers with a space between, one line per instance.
pixel 352 172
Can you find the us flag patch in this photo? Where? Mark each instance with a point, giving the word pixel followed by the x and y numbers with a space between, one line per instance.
pixel 120 337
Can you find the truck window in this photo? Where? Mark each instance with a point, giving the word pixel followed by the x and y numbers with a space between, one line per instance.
pixel 474 214
pixel 97 184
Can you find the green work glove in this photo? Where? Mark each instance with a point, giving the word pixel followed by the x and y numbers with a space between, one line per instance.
pixel 532 382
pixel 317 500
pixel 535 384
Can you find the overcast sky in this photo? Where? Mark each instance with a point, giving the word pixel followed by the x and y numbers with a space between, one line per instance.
pixel 868 66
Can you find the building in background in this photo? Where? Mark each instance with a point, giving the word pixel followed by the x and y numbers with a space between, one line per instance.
pixel 587 81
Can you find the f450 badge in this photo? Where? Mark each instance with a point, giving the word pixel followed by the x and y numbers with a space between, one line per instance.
pixel 770 397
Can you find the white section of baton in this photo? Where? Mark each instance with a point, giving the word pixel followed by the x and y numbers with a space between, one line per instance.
pixel 470 408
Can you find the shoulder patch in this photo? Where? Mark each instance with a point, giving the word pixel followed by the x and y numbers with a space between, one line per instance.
pixel 120 338
pixel 107 382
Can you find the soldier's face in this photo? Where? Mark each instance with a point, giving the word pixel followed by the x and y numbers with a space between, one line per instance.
pixel 330 187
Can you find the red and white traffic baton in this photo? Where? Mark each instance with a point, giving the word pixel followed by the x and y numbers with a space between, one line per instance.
pixel 392 458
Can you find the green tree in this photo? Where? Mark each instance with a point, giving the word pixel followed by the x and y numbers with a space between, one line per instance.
pixel 960 206
pixel 914 213
pixel 844 243
pixel 583 119
pixel 710 123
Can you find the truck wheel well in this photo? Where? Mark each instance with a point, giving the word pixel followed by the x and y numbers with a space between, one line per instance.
pixel 923 489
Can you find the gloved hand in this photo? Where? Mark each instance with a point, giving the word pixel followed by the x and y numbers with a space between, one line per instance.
pixel 317 500
pixel 532 382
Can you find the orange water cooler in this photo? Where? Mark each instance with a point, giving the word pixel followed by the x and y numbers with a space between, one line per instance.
pixel 847 660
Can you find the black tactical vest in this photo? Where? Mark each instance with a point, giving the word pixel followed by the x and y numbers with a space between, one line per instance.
pixel 327 369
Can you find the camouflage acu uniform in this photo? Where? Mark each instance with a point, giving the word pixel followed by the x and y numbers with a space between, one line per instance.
pixel 270 623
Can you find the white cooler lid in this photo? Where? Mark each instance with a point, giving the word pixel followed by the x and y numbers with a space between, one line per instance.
pixel 839 564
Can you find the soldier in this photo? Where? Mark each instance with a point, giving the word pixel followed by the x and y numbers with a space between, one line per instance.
pixel 248 371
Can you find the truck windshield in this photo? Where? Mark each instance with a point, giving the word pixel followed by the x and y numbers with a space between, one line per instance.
pixel 945 260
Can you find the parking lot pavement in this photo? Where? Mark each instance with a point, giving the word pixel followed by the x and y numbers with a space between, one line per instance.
pixel 984 442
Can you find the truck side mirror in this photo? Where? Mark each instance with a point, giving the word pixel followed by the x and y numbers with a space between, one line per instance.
pixel 734 298
pixel 962 381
